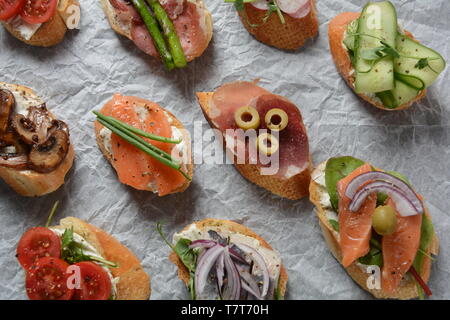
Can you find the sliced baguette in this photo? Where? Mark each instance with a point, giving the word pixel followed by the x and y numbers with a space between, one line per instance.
pixel 183 272
pixel 134 283
pixel 30 183
pixel 289 36
pixel 293 188
pixel 407 288
pixel 186 137
pixel 336 32
pixel 51 32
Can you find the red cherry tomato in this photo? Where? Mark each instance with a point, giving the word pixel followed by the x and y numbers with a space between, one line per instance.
pixel 47 280
pixel 95 282
pixel 38 11
pixel 9 8
pixel 36 243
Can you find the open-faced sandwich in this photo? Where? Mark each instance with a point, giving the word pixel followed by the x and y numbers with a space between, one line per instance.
pixel 77 261
pixel 38 22
pixel 174 31
pixel 147 146
pixel 284 24
pixel 379 60
pixel 226 260
pixel 376 225
pixel 35 148
pixel 263 134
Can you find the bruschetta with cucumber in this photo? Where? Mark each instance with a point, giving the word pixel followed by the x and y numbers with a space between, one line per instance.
pixel 383 63
pixel 376 225
pixel 222 259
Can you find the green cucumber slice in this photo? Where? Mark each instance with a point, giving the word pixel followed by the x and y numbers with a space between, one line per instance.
pixel 400 94
pixel 387 98
pixel 413 81
pixel 411 52
pixel 378 21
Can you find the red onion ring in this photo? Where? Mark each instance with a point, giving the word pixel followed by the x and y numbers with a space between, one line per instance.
pixel 205 263
pixel 234 279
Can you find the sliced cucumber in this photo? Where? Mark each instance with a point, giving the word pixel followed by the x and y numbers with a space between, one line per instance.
pixel 387 98
pixel 411 52
pixel 413 81
pixel 400 94
pixel 378 21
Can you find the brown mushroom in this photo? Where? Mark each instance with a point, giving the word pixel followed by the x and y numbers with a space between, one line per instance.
pixel 48 156
pixel 15 160
pixel 25 129
pixel 7 105
pixel 43 122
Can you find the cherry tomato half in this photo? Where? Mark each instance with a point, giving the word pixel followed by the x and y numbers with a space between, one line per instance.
pixel 95 282
pixel 9 8
pixel 47 280
pixel 38 11
pixel 36 243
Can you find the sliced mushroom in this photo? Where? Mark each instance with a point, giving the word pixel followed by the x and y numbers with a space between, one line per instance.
pixel 48 156
pixel 7 105
pixel 16 161
pixel 43 122
pixel 25 129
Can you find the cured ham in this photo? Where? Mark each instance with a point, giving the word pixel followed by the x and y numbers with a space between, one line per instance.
pixel 295 8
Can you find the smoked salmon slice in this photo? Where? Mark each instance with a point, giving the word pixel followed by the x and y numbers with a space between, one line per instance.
pixel 355 228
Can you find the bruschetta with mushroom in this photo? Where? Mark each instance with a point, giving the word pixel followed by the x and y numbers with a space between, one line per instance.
pixel 35 148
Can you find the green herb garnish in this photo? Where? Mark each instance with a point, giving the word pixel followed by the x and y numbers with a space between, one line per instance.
pixel 334 224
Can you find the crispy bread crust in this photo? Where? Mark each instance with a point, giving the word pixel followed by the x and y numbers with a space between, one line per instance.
pixel 289 36
pixel 30 183
pixel 406 290
pixel 177 124
pixel 51 32
pixel 293 188
pixel 183 272
pixel 134 283
pixel 336 32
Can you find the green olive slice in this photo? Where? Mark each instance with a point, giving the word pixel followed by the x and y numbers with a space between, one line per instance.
pixel 276 119
pixel 247 118
pixel 267 144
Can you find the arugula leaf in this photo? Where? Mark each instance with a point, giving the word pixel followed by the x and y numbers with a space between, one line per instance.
pixel 239 5
pixel 335 170
pixel 426 237
pixel 373 258
pixel 334 224
pixel 382 197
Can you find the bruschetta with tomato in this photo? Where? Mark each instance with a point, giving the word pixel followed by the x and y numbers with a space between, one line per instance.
pixel 35 148
pixel 38 22
pixel 77 261
pixel 383 63
pixel 172 31
pixel 222 259
pixel 376 225
pixel 263 134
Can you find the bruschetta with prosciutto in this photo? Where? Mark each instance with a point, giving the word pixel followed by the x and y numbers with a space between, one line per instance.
pixel 381 61
pixel 264 135
pixel 78 261
pixel 173 31
pixel 376 225
pixel 35 148
pixel 284 24
pixel 40 23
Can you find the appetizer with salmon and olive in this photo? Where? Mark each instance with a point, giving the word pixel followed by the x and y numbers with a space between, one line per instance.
pixel 35 148
pixel 263 134
pixel 77 261
pixel 147 145
pixel 376 225
pixel 284 24
pixel 221 259
pixel 383 63
pixel 42 23
pixel 173 31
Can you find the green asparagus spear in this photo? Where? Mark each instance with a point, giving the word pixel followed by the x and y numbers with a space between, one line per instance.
pixel 155 33
pixel 169 32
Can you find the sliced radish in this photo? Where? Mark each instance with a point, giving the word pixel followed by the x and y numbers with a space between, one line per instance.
pixel 295 8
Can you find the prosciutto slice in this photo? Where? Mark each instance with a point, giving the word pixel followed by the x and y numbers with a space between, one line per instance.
pixel 293 152
pixel 295 8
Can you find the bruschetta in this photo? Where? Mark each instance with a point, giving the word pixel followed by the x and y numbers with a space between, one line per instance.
pixel 40 23
pixel 381 61
pixel 78 261
pixel 242 264
pixel 135 167
pixel 284 24
pixel 376 225
pixel 35 148
pixel 173 31
pixel 263 134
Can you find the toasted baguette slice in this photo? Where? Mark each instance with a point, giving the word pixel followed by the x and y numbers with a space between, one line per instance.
pixel 134 283
pixel 125 30
pixel 407 288
pixel 336 31
pixel 51 32
pixel 294 188
pixel 186 137
pixel 30 183
pixel 289 36
pixel 183 272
